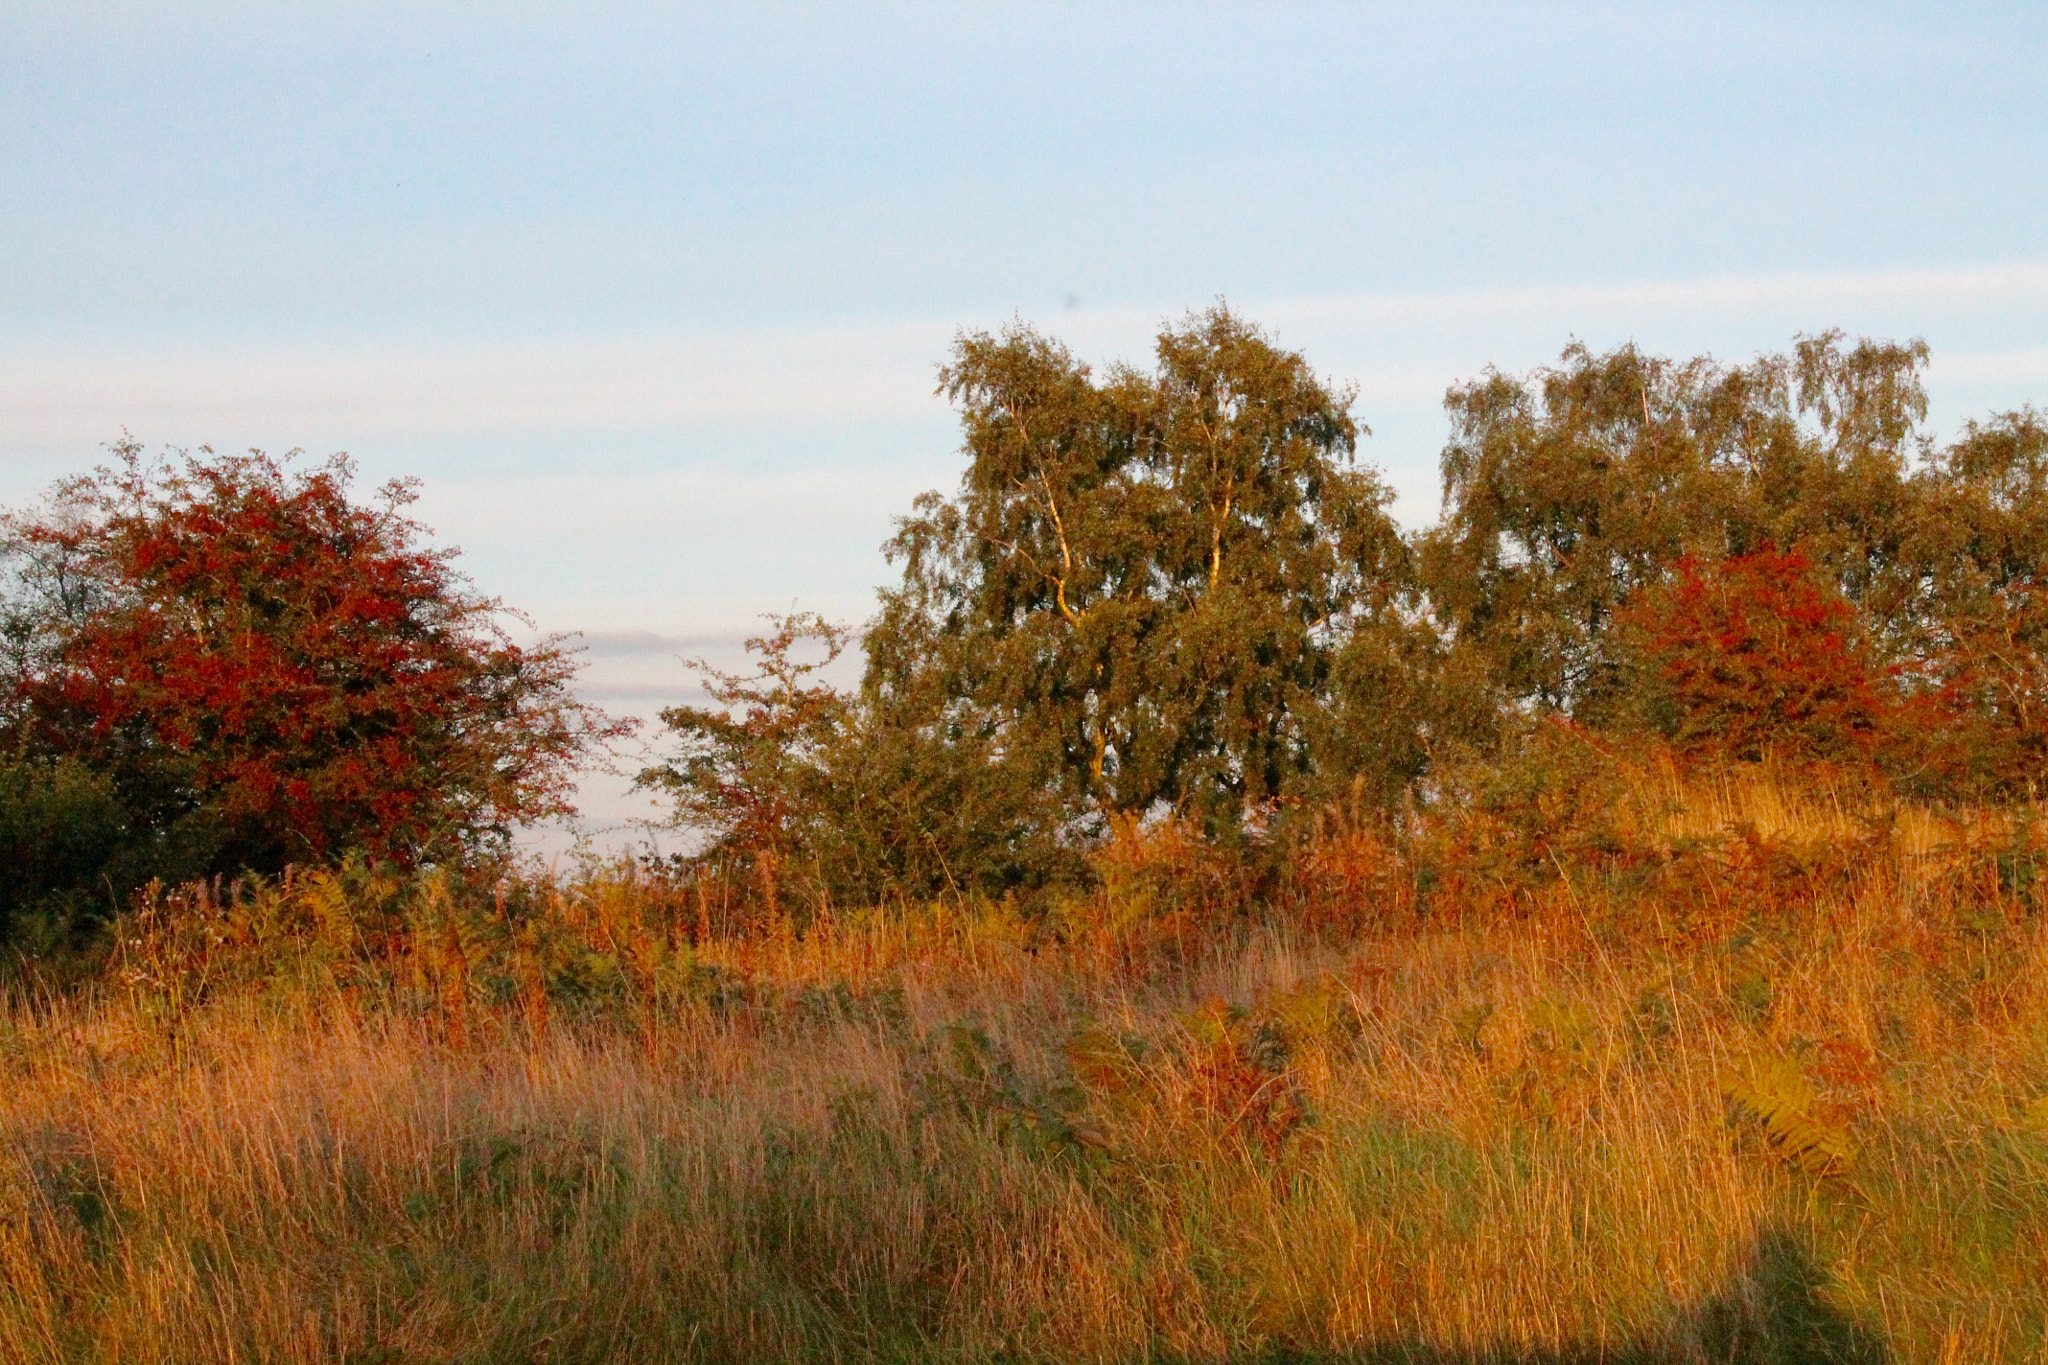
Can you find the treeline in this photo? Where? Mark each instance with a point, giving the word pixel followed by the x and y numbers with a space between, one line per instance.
pixel 1157 593
pixel 1177 591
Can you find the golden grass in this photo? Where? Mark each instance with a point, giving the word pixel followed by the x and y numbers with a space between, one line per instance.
pixel 1431 1102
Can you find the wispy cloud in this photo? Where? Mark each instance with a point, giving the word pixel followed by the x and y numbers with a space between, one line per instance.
pixel 412 387
pixel 2004 287
pixel 636 643
pixel 594 502
pixel 853 371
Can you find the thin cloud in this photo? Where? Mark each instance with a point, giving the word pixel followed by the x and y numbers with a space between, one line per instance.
pixel 844 371
pixel 413 388
pixel 2006 287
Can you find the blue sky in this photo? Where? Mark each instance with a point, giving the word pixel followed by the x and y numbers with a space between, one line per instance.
pixel 651 296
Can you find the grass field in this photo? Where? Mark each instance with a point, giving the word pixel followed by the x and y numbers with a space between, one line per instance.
pixel 1651 1069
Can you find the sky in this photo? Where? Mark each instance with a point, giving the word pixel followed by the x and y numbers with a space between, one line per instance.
pixel 650 298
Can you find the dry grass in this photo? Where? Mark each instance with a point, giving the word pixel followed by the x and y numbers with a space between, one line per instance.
pixel 1449 1096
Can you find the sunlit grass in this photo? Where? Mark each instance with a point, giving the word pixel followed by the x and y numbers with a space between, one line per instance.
pixel 1428 1100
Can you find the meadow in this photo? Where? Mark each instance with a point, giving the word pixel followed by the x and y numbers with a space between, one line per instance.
pixel 1650 1064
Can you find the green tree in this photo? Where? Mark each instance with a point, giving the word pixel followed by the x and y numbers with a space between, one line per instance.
pixel 1982 710
pixel 819 795
pixel 1569 491
pixel 748 767
pixel 1145 583
pixel 1980 529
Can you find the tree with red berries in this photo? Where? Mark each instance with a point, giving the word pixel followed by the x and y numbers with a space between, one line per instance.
pixel 1760 654
pixel 265 671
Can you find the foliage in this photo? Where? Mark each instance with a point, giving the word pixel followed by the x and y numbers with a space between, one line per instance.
pixel 923 800
pixel 1757 654
pixel 1171 594
pixel 822 797
pixel 1144 583
pixel 1983 658
pixel 1163 596
pixel 1571 491
pixel 265 671
pixel 748 767
pixel 1985 524
pixel 1986 698
pixel 63 837
pixel 1773 1089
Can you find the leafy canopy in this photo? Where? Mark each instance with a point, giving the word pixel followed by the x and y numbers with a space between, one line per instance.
pixel 1173 589
pixel 1144 582
pixel 747 768
pixel 830 796
pixel 1571 491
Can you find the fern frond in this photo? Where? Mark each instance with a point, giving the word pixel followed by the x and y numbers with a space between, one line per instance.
pixel 1774 1090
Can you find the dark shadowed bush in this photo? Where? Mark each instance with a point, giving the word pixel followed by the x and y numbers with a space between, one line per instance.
pixel 62 837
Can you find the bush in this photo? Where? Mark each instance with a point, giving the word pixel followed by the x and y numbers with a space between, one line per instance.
pixel 62 834
pixel 255 670
pixel 1759 654
pixel 820 796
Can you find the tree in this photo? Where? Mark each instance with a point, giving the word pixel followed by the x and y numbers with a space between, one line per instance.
pixel 827 796
pixel 1759 655
pixel 1568 492
pixel 267 672
pixel 1144 583
pixel 1982 716
pixel 749 773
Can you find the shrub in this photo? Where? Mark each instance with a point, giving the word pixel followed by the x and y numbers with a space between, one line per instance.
pixel 62 839
pixel 1985 703
pixel 825 796
pixel 747 771
pixel 259 670
pixel 1758 654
